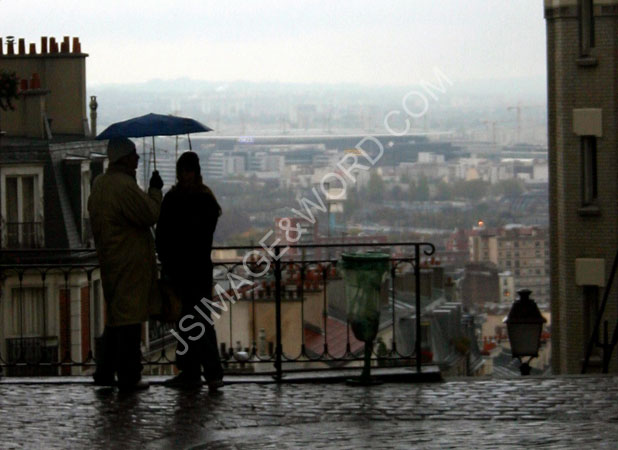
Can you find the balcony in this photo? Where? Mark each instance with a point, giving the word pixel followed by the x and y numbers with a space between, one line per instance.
pixel 277 315
pixel 23 235
pixel 31 356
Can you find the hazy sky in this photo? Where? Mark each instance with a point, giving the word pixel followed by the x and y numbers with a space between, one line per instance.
pixel 361 41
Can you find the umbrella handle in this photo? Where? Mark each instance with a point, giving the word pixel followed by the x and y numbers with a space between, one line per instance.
pixel 154 154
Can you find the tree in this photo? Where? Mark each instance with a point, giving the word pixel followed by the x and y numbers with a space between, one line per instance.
pixel 352 203
pixel 422 189
pixel 375 187
pixel 8 89
pixel 508 188
pixel 471 190
pixel 443 191
pixel 397 193
pixel 412 190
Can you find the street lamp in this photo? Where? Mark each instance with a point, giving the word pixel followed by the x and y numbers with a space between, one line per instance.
pixel 524 324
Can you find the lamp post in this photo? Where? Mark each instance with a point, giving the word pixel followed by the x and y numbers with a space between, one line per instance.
pixel 524 324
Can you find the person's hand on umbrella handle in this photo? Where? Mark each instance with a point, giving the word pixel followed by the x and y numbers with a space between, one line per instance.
pixel 156 181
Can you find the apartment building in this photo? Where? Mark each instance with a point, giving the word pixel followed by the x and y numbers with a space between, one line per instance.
pixel 47 162
pixel 523 251
pixel 582 117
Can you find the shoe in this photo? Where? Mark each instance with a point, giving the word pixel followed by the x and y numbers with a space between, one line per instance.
pixel 99 380
pixel 139 386
pixel 184 381
pixel 214 385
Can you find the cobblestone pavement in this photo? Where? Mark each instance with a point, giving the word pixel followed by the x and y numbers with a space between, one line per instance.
pixel 560 412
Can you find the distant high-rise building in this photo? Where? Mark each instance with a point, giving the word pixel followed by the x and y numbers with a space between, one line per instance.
pixel 582 49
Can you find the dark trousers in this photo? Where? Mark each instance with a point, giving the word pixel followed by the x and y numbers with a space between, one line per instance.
pixel 121 354
pixel 202 353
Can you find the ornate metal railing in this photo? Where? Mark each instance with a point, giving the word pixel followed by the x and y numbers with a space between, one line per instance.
pixel 279 311
pixel 22 235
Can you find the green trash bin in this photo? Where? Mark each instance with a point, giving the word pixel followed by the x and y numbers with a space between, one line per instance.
pixel 364 274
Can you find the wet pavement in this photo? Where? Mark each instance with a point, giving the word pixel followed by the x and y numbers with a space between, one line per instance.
pixel 559 412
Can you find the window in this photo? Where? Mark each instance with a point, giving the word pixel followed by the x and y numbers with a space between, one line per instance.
pixel 27 312
pixel 22 207
pixel 589 170
pixel 586 26
pixel 27 337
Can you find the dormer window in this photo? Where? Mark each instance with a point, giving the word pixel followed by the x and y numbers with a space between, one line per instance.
pixel 22 207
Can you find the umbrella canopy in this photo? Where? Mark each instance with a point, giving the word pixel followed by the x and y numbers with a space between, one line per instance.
pixel 153 125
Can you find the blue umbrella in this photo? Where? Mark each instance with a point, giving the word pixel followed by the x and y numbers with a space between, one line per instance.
pixel 153 125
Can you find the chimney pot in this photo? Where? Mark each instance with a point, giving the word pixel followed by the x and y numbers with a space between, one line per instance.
pixel 32 48
pixel 9 47
pixel 35 81
pixel 22 46
pixel 65 46
pixel 77 47
pixel 1 47
pixel 53 46
pixel 44 45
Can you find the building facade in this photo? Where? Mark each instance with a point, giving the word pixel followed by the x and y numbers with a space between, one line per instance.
pixel 522 251
pixel 582 52
pixel 47 163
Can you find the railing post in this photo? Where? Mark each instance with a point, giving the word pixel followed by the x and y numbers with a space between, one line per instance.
pixel 278 347
pixel 394 343
pixel 417 288
pixel 592 342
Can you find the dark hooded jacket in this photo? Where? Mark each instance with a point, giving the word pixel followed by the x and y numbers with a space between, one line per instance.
pixel 184 237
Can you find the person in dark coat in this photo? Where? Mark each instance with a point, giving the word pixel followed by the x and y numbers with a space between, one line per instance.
pixel 184 235
pixel 121 215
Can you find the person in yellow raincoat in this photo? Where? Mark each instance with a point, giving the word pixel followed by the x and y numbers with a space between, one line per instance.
pixel 121 215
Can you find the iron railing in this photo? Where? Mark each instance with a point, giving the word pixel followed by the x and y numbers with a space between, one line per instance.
pixel 607 347
pixel 22 235
pixel 32 356
pixel 266 282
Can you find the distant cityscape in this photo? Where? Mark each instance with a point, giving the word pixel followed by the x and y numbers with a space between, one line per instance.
pixel 477 189
pixel 468 179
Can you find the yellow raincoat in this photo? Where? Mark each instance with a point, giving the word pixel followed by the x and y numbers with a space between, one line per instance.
pixel 121 215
